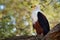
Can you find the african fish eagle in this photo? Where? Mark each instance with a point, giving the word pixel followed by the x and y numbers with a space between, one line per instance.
pixel 40 22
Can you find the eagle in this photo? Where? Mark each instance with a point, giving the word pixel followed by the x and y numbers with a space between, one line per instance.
pixel 39 20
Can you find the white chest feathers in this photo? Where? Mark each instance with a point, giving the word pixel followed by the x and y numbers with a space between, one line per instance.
pixel 34 17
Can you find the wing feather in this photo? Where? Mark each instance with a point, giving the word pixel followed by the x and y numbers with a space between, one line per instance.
pixel 43 22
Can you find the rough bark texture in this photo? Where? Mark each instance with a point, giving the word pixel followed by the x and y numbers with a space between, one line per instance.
pixel 54 34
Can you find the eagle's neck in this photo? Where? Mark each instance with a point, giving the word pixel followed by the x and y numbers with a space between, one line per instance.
pixel 34 16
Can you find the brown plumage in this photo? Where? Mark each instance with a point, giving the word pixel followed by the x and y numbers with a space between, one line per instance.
pixel 38 28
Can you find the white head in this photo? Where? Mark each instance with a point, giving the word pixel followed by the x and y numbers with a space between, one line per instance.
pixel 35 7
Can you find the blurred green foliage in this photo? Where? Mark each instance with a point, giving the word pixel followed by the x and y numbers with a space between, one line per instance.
pixel 15 17
pixel 7 28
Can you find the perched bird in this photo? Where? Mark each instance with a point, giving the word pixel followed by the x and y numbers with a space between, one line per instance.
pixel 40 22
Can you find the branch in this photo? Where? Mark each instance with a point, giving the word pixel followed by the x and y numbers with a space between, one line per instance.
pixel 54 34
